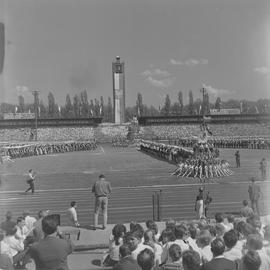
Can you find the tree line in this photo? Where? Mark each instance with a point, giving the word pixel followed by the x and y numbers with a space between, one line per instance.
pixel 79 106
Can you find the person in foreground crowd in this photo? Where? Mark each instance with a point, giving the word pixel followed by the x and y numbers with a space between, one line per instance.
pixel 5 259
pixel 102 190
pixel 255 243
pixel 72 214
pixel 30 181
pixel 146 259
pixel 219 262
pixel 246 211
pixel 254 192
pixel 37 231
pixel 191 260
pixel 250 261
pixel 126 261
pixel 8 223
pixel 115 241
pixel 175 258
pixel 233 252
pixel 51 252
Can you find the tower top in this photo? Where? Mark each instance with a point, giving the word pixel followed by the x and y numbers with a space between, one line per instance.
pixel 118 59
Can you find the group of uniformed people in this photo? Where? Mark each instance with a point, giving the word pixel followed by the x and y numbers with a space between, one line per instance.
pixel 169 152
pixel 228 142
pixel 19 151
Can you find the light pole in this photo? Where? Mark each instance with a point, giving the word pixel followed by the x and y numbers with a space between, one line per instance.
pixel 35 93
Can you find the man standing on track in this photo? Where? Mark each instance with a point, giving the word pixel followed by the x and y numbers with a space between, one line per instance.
pixel 237 159
pixel 30 181
pixel 102 189
pixel 254 192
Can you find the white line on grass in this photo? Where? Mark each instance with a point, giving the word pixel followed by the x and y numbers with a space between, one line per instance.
pixel 135 187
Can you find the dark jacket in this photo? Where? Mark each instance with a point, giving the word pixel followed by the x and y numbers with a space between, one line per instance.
pixel 219 264
pixel 51 253
pixel 127 263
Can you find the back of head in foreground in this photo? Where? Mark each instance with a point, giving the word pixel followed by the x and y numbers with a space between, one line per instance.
pixel 146 259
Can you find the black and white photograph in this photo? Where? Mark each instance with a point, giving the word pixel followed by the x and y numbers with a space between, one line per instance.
pixel 134 134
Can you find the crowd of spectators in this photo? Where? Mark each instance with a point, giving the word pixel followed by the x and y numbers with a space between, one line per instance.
pixel 37 149
pixel 226 242
pixel 48 134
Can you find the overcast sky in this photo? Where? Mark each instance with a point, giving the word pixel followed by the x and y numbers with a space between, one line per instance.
pixel 66 46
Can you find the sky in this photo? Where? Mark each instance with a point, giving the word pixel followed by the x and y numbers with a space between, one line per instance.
pixel 66 46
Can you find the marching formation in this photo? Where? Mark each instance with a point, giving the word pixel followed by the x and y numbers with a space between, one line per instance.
pixel 27 150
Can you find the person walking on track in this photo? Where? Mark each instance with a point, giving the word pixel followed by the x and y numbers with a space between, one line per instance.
pixel 31 181
pixel 254 192
pixel 102 190
pixel 237 159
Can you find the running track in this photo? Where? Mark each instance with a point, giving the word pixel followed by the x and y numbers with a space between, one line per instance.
pixel 133 202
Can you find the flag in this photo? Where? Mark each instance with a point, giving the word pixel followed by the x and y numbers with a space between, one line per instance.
pixel 139 112
pixel 200 108
pixel 91 112
pixel 241 106
pixel 39 110
pixel 16 109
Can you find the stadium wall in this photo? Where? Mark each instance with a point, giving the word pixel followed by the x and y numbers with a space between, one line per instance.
pixel 60 122
pixel 197 119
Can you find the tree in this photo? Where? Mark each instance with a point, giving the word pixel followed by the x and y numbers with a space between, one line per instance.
pixel 109 110
pixel 76 106
pixel 21 104
pixel 96 108
pixel 191 103
pixel 52 111
pixel 84 104
pixel 218 104
pixel 180 100
pixel 42 110
pixel 139 104
pixel 167 106
pixel 68 109
pixel 175 109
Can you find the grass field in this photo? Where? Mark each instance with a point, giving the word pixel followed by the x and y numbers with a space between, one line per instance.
pixel 64 177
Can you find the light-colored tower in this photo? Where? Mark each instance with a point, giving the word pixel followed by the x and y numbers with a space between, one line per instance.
pixel 118 72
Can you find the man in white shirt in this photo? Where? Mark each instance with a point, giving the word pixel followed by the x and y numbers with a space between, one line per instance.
pixel 232 252
pixel 72 214
pixel 29 222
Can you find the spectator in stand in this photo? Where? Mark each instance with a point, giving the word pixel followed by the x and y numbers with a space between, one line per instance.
pixel 220 220
pixel 38 232
pixel 266 242
pixel 21 229
pixel 149 239
pixel 220 230
pixel 115 241
pixel 231 219
pixel 191 260
pixel 146 259
pixel 233 252
pixel 14 244
pixel 175 258
pixel 72 214
pixel 246 211
pixel 250 261
pixel 167 238
pixel 192 239
pixel 6 262
pixel 203 242
pixel 219 262
pixel 8 223
pixel 134 240
pixel 237 159
pixel 254 192
pixel 51 252
pixel 126 261
pixel 254 242
pixel 181 235
pixel 29 222
pixel 151 225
